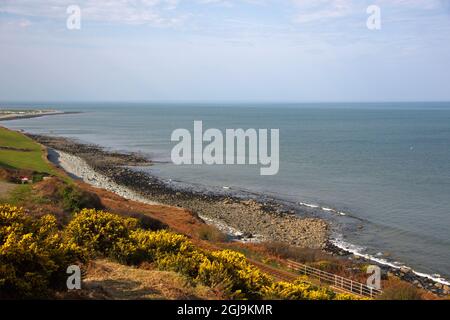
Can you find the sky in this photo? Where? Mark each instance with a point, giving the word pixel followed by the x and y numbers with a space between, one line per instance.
pixel 225 50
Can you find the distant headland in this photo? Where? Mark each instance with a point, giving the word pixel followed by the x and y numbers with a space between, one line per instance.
pixel 13 114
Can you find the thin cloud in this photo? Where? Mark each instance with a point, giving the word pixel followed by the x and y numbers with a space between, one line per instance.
pixel 152 12
pixel 321 10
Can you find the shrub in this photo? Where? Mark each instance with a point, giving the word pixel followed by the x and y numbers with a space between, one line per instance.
pixel 228 269
pixel 211 233
pixel 302 290
pixel 146 222
pixel 298 290
pixel 142 245
pixel 228 266
pixel 99 232
pixel 287 251
pixel 33 256
pixel 400 291
pixel 336 267
pixel 215 275
pixel 187 263
pixel 225 269
pixel 12 219
pixel 74 199
pixel 38 177
pixel 347 296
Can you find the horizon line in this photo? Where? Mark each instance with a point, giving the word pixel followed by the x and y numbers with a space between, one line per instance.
pixel 213 102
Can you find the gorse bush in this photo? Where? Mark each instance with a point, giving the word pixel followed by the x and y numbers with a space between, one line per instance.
pixel 302 290
pixel 99 232
pixel 148 246
pixel 299 290
pixel 347 296
pixel 232 270
pixel 214 274
pixel 187 263
pixel 33 255
pixel 103 233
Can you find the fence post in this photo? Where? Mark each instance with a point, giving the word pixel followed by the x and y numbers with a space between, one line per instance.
pixel 339 281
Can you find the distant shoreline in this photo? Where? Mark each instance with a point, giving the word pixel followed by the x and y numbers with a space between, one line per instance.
pixel 6 115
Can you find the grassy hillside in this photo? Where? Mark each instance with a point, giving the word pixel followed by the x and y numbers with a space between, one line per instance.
pixel 20 152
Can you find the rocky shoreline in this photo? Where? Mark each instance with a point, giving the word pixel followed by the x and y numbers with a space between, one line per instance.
pixel 246 219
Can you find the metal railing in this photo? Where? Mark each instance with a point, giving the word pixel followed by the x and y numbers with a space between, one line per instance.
pixel 334 280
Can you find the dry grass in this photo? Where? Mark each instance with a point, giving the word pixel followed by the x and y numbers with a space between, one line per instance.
pixel 211 233
pixel 112 281
pixel 400 290
pixel 303 255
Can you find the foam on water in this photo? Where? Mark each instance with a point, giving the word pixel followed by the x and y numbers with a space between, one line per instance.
pixel 326 209
pixel 359 251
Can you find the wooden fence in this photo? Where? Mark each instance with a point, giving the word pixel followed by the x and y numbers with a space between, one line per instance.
pixel 334 280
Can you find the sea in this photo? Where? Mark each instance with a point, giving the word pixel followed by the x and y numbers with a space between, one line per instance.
pixel 379 171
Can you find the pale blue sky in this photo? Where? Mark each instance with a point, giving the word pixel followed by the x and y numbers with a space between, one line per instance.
pixel 224 50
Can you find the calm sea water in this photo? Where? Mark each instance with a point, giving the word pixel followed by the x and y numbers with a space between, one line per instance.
pixel 386 165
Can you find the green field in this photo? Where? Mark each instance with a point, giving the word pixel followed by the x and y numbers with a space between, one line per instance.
pixel 27 154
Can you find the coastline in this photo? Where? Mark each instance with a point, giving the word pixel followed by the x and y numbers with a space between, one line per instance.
pixel 241 217
pixel 17 114
pixel 79 169
pixel 245 219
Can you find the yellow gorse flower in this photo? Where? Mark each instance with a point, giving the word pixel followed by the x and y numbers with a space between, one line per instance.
pixel 34 254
